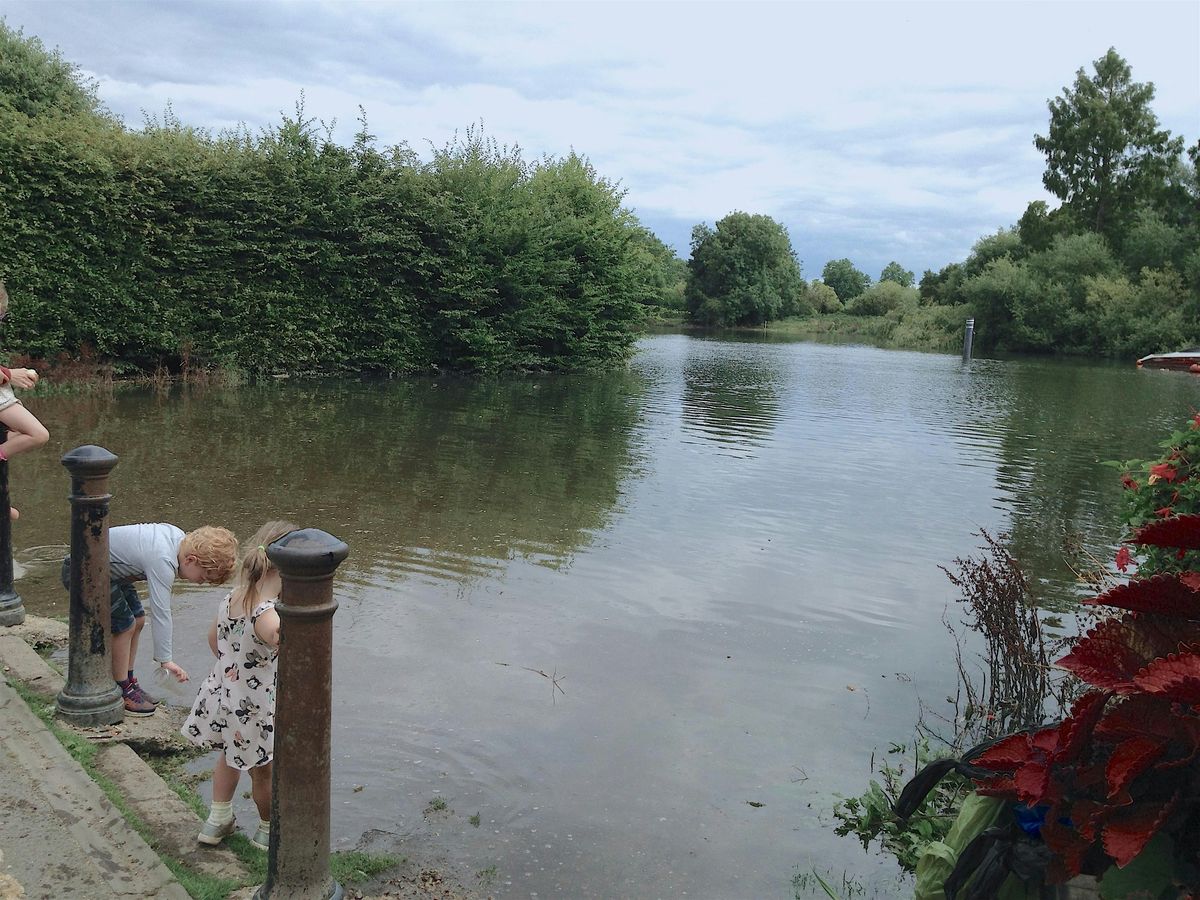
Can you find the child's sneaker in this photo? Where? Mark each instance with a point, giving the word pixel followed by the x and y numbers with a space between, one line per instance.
pixel 133 680
pixel 212 834
pixel 136 703
pixel 262 837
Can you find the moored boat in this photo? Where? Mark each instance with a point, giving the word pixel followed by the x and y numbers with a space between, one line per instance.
pixel 1188 360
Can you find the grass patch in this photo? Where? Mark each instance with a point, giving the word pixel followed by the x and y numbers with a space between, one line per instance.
pixel 355 866
pixel 437 804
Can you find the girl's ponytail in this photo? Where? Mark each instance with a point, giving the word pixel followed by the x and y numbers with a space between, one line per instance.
pixel 256 565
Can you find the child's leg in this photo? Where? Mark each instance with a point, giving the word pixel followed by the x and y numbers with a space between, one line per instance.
pixel 225 780
pixel 220 815
pixel 260 789
pixel 121 644
pixel 139 622
pixel 25 432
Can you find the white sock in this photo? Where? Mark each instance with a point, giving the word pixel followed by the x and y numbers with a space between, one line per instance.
pixel 264 825
pixel 220 813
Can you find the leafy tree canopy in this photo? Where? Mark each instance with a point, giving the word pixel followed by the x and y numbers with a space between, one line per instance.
pixel 893 271
pixel 743 272
pixel 1104 147
pixel 846 281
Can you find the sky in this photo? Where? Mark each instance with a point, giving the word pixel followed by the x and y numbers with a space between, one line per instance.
pixel 874 131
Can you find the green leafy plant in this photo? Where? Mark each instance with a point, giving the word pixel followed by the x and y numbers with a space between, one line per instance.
pixel 1166 486
pixel 869 816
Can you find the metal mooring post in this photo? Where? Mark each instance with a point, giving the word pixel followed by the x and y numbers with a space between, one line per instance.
pixel 12 610
pixel 968 337
pixel 90 696
pixel 298 853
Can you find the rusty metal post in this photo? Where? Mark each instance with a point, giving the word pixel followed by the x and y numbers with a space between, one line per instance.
pixel 12 610
pixel 298 853
pixel 90 696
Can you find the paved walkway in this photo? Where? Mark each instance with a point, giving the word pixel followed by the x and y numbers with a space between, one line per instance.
pixel 61 835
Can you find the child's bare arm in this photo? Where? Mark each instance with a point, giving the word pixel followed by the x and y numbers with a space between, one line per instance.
pixel 266 626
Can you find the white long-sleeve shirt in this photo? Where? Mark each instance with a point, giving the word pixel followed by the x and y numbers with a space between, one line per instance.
pixel 149 553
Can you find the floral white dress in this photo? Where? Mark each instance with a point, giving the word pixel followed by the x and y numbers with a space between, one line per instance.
pixel 235 709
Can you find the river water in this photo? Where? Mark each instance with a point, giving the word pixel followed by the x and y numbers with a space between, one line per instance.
pixel 644 625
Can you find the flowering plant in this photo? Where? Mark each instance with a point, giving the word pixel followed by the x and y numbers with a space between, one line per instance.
pixel 1157 489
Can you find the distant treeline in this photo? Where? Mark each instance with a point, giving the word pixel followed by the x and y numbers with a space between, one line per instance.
pixel 284 251
pixel 1114 269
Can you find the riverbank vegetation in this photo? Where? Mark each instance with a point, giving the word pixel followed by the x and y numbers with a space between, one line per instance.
pixel 285 252
pixel 1113 270
pixel 1103 750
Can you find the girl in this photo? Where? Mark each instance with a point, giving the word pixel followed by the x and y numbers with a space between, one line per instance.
pixel 25 432
pixel 235 709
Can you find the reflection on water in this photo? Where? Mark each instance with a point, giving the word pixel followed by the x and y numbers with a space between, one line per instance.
pixel 726 555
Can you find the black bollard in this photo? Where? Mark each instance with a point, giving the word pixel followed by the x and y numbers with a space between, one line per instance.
pixel 298 853
pixel 90 696
pixel 12 610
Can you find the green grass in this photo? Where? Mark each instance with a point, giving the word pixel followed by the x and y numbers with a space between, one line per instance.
pixel 346 866
pixel 437 804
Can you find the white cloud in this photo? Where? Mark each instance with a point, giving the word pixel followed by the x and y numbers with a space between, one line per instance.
pixel 871 129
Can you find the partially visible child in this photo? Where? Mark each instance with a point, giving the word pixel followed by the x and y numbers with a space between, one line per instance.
pixel 25 432
pixel 235 709
pixel 156 553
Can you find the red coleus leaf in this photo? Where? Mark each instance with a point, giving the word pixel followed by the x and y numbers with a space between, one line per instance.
pixel 1044 739
pixel 1136 716
pixel 1076 729
pixel 1129 483
pixel 1124 558
pixel 1177 677
pixel 1112 653
pixel 1069 848
pixel 1130 828
pixel 1162 594
pixel 1181 531
pixel 1084 815
pixel 1032 781
pixel 1190 579
pixel 997 786
pixel 1006 755
pixel 1130 759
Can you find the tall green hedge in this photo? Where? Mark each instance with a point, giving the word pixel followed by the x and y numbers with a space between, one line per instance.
pixel 287 252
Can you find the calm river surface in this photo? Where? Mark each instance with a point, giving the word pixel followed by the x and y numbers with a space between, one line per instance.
pixel 724 555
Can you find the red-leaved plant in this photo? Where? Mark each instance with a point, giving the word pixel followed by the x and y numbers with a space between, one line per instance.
pixel 1125 763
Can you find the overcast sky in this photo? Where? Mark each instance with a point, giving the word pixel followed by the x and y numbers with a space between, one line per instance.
pixel 875 131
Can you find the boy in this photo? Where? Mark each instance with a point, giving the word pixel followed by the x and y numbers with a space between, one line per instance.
pixel 157 553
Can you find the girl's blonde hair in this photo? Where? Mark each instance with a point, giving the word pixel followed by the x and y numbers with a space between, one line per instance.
pixel 255 564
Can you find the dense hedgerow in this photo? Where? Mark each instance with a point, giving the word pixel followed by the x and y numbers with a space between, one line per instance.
pixel 287 252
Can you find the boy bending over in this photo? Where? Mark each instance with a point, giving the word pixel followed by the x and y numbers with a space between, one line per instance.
pixel 156 553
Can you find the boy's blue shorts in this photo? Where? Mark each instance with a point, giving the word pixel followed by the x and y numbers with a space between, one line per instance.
pixel 126 604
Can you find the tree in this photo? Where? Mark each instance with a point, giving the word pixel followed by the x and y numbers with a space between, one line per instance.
pixel 823 298
pixel 1104 148
pixel 743 272
pixel 893 271
pixel 846 281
